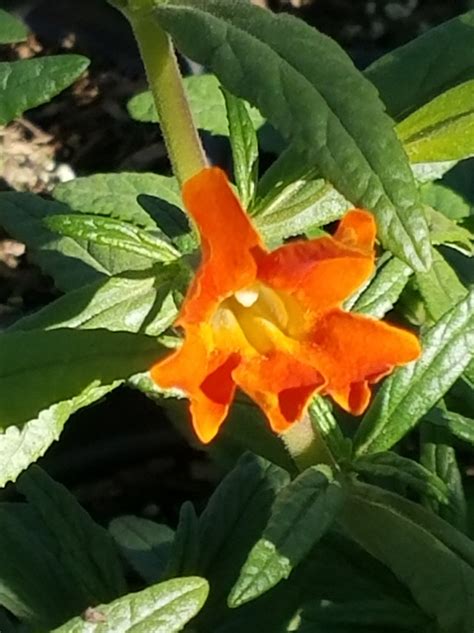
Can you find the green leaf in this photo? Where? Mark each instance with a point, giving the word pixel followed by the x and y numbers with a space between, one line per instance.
pixel 384 289
pixel 440 458
pixel 426 172
pixel 412 390
pixel 34 585
pixel 443 129
pixel 84 549
pixel 439 59
pixel 11 29
pixel 163 608
pixel 28 83
pixel 115 234
pixel 40 369
pixel 243 141
pixel 145 544
pixel 21 447
pixel 185 547
pixel 322 108
pixel 446 231
pixel 71 262
pixel 445 200
pixel 206 102
pixel 302 513
pixel 326 425
pixel 132 302
pixel 435 561
pixel 458 425
pixel 440 287
pixel 234 519
pixel 392 467
pixel 130 197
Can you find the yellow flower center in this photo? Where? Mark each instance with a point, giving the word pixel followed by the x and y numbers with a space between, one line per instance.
pixel 262 315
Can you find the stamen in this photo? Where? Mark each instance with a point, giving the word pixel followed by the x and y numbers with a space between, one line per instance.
pixel 247 297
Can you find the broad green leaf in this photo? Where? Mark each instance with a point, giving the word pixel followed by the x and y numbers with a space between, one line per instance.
pixel 40 369
pixel 28 83
pixel 302 513
pixel 406 472
pixel 115 234
pixel 206 102
pixel 130 197
pixel 184 552
pixel 433 559
pixel 440 458
pixel 437 60
pixel 440 287
pixel 146 545
pixel 21 447
pixel 84 549
pixel 445 231
pixel 131 302
pixel 445 200
pixel 11 29
pixel 369 615
pixel 244 145
pixel 443 129
pixel 384 289
pixel 71 262
pixel 322 108
pixel 163 608
pixel 412 390
pixel 234 519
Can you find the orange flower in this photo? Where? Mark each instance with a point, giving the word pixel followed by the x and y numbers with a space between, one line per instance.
pixel 271 323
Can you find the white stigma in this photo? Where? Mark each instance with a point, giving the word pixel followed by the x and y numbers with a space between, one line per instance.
pixel 246 297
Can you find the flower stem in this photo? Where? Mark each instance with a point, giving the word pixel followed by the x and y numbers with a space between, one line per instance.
pixel 306 446
pixel 166 84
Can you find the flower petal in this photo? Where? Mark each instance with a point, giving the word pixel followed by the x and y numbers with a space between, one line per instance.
pixel 203 373
pixel 227 239
pixel 353 351
pixel 280 384
pixel 323 272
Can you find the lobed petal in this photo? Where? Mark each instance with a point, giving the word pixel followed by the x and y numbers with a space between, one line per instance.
pixel 323 272
pixel 353 351
pixel 280 384
pixel 227 242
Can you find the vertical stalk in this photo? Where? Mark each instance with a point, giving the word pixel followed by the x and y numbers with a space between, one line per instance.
pixel 306 446
pixel 179 132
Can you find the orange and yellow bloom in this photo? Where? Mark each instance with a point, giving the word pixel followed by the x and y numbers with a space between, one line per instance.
pixel 271 323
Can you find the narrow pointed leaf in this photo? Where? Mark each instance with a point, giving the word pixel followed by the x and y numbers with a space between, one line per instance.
pixel 322 108
pixel 141 302
pixel 302 513
pixel 184 553
pixel 243 142
pixel 28 83
pixel 163 608
pixel 443 129
pixel 413 390
pixel 459 425
pixel 114 234
pixel 384 289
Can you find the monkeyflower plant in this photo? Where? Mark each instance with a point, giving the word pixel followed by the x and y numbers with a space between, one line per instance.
pixel 321 307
